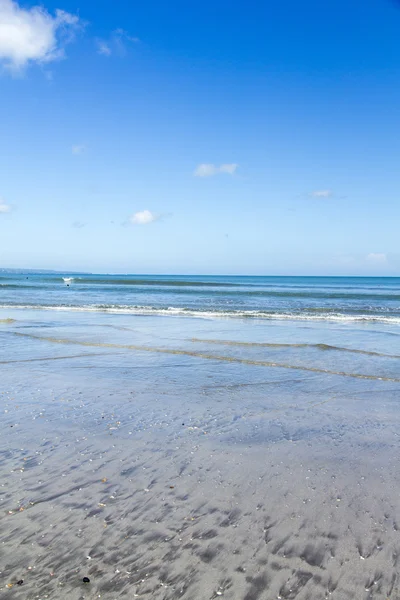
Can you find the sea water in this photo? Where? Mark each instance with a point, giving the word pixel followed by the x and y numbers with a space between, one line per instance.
pixel 311 298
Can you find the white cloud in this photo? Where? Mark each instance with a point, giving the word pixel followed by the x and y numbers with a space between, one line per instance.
pixel 116 44
pixel 103 48
pixel 322 194
pixel 208 170
pixel 78 224
pixel 78 149
pixel 377 258
pixel 4 208
pixel 144 217
pixel 29 35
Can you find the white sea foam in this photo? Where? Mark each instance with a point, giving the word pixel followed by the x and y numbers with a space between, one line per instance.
pixel 238 314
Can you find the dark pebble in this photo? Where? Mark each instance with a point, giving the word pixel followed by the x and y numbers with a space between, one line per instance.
pixel 21 581
pixel 86 580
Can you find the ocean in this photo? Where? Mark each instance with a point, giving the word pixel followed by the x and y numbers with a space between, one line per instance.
pixel 193 437
pixel 307 298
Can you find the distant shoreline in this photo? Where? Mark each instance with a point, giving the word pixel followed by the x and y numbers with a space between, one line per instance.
pixel 42 272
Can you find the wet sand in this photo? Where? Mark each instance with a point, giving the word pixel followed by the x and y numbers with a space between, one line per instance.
pixel 175 475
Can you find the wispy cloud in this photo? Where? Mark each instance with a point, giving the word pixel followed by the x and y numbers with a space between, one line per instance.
pixel 116 43
pixel 322 194
pixel 377 258
pixel 78 149
pixel 78 224
pixel 4 208
pixel 103 48
pixel 33 35
pixel 144 217
pixel 208 170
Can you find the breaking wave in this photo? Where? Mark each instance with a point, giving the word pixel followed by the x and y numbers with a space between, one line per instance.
pixel 304 315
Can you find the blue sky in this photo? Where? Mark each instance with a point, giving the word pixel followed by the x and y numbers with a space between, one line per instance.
pixel 253 137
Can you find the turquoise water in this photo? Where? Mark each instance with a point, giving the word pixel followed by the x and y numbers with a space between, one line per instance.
pixel 311 298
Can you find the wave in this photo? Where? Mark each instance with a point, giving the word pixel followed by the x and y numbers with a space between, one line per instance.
pixel 206 356
pixel 320 346
pixel 212 314
pixel 152 282
pixel 14 286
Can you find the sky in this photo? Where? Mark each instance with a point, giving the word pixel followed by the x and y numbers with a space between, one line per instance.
pixel 215 137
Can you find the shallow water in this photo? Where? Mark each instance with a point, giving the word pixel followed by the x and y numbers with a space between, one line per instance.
pixel 177 457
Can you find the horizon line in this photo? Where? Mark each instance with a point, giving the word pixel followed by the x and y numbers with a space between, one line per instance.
pixel 16 270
